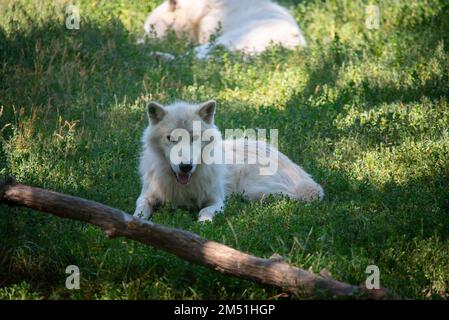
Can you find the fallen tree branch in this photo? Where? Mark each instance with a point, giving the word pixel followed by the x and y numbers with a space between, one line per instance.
pixel 184 244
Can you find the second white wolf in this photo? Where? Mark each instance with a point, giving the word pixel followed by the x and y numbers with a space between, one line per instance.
pixel 250 26
pixel 194 183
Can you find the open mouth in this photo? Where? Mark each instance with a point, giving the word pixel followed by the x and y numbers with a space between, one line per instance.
pixel 182 178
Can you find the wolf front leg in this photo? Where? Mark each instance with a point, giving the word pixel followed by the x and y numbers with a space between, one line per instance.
pixel 144 208
pixel 145 202
pixel 208 213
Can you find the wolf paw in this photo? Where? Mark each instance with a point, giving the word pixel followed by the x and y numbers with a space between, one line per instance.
pixel 202 52
pixel 206 216
pixel 142 213
pixel 164 56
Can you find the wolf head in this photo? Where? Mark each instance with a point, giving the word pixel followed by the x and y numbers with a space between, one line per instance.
pixel 171 15
pixel 180 133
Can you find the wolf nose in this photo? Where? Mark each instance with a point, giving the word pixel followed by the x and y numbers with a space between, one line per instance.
pixel 185 167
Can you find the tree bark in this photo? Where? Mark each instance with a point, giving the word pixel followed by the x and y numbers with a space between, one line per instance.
pixel 186 245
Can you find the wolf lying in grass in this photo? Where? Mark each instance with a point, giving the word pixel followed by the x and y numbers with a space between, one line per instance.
pixel 185 162
pixel 246 25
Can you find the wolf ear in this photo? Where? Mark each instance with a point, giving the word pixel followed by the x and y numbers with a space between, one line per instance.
pixel 207 111
pixel 156 112
pixel 172 5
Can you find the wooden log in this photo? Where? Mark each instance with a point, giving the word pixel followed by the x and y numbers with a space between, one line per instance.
pixel 186 245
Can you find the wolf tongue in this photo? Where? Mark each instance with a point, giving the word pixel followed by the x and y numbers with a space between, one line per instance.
pixel 183 178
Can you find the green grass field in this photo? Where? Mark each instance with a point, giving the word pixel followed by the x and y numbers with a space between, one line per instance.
pixel 365 111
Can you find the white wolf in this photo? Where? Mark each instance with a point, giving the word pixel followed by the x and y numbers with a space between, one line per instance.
pixel 247 25
pixel 192 180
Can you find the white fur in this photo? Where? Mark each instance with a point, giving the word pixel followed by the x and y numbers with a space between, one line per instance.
pixel 210 183
pixel 247 25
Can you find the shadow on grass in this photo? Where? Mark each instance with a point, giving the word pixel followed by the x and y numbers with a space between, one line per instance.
pixel 77 71
pixel 49 73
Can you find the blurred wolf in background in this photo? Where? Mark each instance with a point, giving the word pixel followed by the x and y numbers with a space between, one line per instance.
pixel 191 180
pixel 250 26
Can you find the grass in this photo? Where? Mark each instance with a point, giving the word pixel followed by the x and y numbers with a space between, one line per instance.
pixel 365 111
